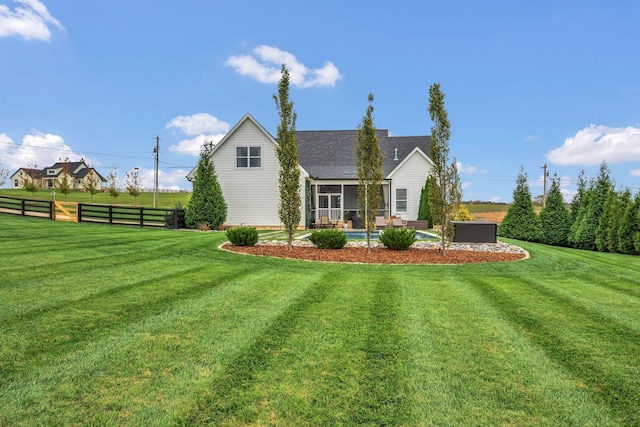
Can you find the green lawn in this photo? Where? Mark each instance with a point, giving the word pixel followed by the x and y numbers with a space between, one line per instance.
pixel 168 200
pixel 105 325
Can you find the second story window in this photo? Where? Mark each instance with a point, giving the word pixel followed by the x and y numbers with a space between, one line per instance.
pixel 248 157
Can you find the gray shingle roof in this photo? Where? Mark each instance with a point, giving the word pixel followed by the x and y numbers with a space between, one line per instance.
pixel 330 154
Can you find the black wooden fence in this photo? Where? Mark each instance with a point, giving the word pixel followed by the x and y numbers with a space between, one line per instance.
pixel 104 214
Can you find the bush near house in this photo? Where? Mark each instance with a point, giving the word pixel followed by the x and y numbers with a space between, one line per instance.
pixel 398 239
pixel 243 236
pixel 328 239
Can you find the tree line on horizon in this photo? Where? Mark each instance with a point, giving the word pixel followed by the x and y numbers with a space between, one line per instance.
pixel 600 217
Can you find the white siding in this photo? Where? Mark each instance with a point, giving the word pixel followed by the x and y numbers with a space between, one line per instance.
pixel 252 194
pixel 412 175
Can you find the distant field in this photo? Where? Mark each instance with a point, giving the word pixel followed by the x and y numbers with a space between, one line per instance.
pixel 487 211
pixel 144 199
pixel 117 325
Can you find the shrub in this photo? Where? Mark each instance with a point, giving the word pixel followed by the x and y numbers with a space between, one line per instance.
pixel 398 239
pixel 243 236
pixel 328 239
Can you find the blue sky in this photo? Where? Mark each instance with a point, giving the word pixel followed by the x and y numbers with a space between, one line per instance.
pixel 527 83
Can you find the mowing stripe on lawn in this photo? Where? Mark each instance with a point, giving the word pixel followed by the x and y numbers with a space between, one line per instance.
pixel 67 326
pixel 383 400
pixel 469 363
pixel 616 389
pixel 226 398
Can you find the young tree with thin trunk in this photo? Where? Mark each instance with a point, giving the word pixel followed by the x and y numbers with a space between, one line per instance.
pixel 287 151
pixel 27 182
pixel 132 184
pixel 369 167
pixel 90 185
pixel 4 173
pixel 63 183
pixel 112 186
pixel 446 191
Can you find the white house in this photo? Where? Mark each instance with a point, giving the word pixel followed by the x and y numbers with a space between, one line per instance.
pixel 247 167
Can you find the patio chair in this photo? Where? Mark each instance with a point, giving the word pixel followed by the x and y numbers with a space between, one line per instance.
pixel 325 223
pixel 380 223
pixel 398 222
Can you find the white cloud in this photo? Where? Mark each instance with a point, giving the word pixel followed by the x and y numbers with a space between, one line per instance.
pixel 205 127
pixel 172 180
pixel 264 65
pixel 468 169
pixel 38 149
pixel 495 199
pixel 530 138
pixel 592 145
pixel 199 123
pixel 194 145
pixel 30 20
pixel 635 172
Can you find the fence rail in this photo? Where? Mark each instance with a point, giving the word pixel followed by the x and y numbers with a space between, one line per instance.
pixel 26 207
pixel 105 214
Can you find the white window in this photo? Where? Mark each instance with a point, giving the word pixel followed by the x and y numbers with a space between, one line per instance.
pixel 401 199
pixel 16 183
pixel 51 171
pixel 248 157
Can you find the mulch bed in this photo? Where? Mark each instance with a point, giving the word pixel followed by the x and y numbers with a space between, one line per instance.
pixel 377 255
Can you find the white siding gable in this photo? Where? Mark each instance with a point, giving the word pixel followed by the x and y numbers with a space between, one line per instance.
pixel 411 175
pixel 252 194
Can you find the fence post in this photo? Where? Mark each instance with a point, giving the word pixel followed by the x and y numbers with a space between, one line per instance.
pixel 175 219
pixel 110 215
pixel 22 207
pixel 141 216
pixel 52 211
pixel 79 213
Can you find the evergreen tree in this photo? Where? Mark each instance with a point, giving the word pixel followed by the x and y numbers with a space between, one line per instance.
pixel 521 221
pixel 607 223
pixel 369 167
pixel 623 202
pixel 629 226
pixel 424 209
pixel 576 205
pixel 555 219
pixel 590 217
pixel 287 151
pixel 446 193
pixel 207 207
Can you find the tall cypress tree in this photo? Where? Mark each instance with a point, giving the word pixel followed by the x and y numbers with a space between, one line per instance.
pixel 521 221
pixel 369 166
pixel 287 151
pixel 207 206
pixel 446 193
pixel 555 219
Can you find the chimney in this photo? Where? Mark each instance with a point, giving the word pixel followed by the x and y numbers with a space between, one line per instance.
pixel 395 157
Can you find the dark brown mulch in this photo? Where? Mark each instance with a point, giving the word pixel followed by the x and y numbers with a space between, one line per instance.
pixel 377 255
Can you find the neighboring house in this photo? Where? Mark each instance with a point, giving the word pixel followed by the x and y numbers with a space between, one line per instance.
pixel 79 174
pixel 247 167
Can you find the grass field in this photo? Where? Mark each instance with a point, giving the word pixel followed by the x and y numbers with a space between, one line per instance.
pixel 168 200
pixel 105 325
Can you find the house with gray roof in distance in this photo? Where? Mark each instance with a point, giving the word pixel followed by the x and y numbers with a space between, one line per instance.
pixel 79 174
pixel 247 167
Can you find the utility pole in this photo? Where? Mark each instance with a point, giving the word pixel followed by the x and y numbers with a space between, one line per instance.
pixel 156 152
pixel 545 175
